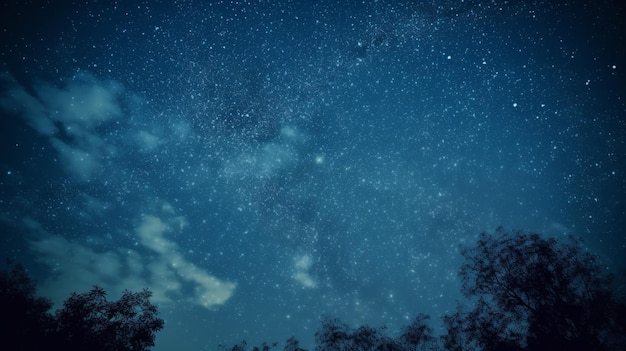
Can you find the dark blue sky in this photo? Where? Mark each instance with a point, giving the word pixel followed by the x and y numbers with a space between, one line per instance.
pixel 258 165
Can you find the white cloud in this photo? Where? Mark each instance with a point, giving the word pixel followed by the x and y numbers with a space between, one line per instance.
pixel 305 279
pixel 81 164
pixel 265 162
pixel 272 158
pixel 18 101
pixel 78 108
pixel 302 265
pixel 292 135
pixel 77 267
pixel 208 290
pixel 146 140
pixel 304 262
pixel 168 283
pixel 83 101
pixel 150 233
pixel 181 129
pixel 269 159
pixel 94 205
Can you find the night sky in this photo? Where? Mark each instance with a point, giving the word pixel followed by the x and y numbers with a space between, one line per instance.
pixel 261 164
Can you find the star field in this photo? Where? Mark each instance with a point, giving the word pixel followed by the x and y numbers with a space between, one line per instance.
pixel 261 164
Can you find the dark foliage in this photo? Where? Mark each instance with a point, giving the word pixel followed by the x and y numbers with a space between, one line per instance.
pixel 85 322
pixel 334 335
pixel 89 321
pixel 25 318
pixel 292 344
pixel 418 336
pixel 243 346
pixel 533 293
pixel 526 293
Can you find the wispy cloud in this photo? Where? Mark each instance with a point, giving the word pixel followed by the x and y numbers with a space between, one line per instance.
pixel 83 101
pixel 18 101
pixel 73 117
pixel 77 267
pixel 146 141
pixel 208 290
pixel 302 265
pixel 69 116
pixel 270 159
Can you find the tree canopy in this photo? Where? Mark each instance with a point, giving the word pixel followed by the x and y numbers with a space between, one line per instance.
pixel 25 317
pixel 86 321
pixel 524 293
pixel 333 335
pixel 532 293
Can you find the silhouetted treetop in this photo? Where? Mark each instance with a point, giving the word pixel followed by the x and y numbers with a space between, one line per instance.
pixel 24 316
pixel 418 335
pixel 243 346
pixel 524 293
pixel 85 322
pixel 334 335
pixel 534 293
pixel 292 344
pixel 88 320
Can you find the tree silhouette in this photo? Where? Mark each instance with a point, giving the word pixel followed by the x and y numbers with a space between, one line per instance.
pixel 533 293
pixel 26 323
pixel 334 335
pixel 292 344
pixel 85 322
pixel 526 293
pixel 89 321
pixel 418 336
pixel 243 346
